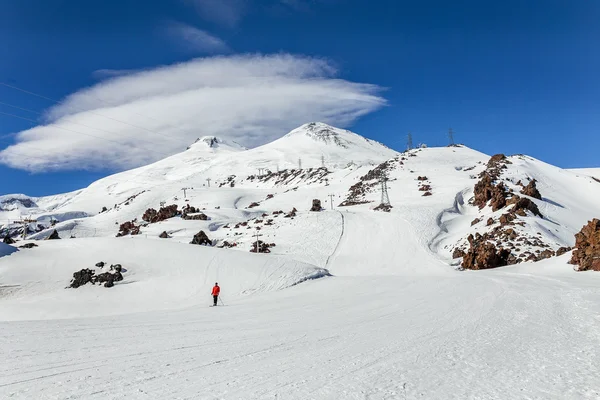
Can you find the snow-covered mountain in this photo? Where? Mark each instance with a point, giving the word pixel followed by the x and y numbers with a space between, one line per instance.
pixel 372 294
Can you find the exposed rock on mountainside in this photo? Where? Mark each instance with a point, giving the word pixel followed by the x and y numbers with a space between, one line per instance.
pixel 531 190
pixel 8 240
pixel 368 183
pixel 383 207
pixel 53 236
pixel 586 255
pixel 483 254
pixel 200 238
pixel 487 189
pixel 28 246
pixel 316 205
pixel 153 216
pixel 128 228
pixel 261 246
pixel 523 204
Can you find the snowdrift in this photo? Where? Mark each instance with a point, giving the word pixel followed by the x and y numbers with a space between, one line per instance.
pixel 159 275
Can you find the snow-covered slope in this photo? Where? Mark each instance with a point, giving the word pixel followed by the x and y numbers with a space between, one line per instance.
pixel 159 275
pixel 395 319
pixel 593 172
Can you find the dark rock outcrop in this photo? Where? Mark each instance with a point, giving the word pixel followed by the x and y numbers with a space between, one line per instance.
pixel 28 246
pixel 531 190
pixel 153 216
pixel 522 204
pixel 483 254
pixel 200 238
pixel 587 247
pixel 8 240
pixel 128 228
pixel 562 251
pixel 316 205
pixel 164 235
pixel 383 207
pixel 261 246
pixel 195 217
pixel 82 277
pixel 458 253
pixel 53 236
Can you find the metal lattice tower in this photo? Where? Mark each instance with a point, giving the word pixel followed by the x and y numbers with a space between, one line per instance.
pixel 450 137
pixel 385 198
pixel 409 142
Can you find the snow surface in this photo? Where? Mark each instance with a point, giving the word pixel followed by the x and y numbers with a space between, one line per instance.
pixel 350 304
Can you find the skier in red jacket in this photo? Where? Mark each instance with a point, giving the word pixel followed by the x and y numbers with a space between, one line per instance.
pixel 215 292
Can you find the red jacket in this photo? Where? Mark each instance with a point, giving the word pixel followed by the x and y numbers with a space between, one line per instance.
pixel 216 290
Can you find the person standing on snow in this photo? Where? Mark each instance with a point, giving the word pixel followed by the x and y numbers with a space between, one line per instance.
pixel 215 292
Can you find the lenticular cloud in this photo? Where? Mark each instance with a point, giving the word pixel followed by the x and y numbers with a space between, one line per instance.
pixel 137 118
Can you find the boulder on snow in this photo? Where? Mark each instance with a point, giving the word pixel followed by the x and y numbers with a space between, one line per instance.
pixel 82 277
pixel 195 217
pixel 522 204
pixel 531 190
pixel 53 236
pixel 164 235
pixel 8 240
pixel 483 255
pixel 562 250
pixel 128 228
pixel 586 255
pixel 261 247
pixel 201 239
pixel 316 205
pixel 28 246
pixel 153 216
pixel 383 207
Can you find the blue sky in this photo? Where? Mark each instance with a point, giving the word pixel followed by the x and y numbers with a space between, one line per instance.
pixel 511 76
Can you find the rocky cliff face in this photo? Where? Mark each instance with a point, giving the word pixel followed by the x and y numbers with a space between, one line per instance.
pixel 586 255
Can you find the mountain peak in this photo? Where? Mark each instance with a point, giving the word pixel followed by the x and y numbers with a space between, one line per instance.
pixel 322 132
pixel 213 143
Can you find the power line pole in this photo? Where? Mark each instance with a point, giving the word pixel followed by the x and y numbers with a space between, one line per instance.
pixel 25 223
pixel 257 236
pixel 331 200
pixel 451 137
pixel 322 161
pixel 385 198
pixel 299 163
pixel 409 141
pixel 208 180
pixel 184 191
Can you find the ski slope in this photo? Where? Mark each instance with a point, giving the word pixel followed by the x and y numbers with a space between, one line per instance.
pixel 495 334
pixel 351 303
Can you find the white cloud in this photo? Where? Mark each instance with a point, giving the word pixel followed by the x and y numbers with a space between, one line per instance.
pixel 225 12
pixel 196 39
pixel 131 120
